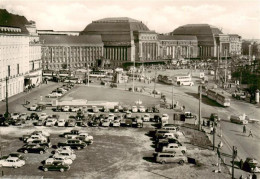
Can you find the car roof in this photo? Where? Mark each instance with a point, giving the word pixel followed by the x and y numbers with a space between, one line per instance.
pixel 12 158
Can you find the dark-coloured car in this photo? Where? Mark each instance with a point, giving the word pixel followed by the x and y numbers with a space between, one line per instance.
pixel 129 121
pixel 42 143
pixel 33 116
pixel 33 148
pixel 56 166
pixel 73 143
pixel 40 107
pixel 149 110
pixel 57 109
pixel 72 132
pixel 71 122
pixel 95 122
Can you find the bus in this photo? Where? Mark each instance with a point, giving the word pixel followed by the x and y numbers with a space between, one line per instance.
pixel 184 80
pixel 98 74
pixel 165 79
pixel 218 96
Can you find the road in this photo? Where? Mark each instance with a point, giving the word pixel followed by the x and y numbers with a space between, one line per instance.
pixel 232 133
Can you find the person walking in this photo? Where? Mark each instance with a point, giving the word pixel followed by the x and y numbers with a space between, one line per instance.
pixel 250 133
pixel 244 129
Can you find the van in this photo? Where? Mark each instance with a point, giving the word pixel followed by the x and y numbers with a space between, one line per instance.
pixel 238 119
pixel 163 157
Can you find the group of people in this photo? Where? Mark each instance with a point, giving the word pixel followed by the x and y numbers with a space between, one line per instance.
pixel 250 131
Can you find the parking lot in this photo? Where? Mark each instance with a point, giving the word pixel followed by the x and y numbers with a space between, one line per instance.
pixel 116 152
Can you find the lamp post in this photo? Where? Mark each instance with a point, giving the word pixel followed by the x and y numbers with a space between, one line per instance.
pixel 7 114
pixel 134 77
pixel 88 74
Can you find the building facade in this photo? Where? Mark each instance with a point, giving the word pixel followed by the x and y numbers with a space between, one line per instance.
pixel 212 43
pixel 178 46
pixel 70 52
pixel 16 53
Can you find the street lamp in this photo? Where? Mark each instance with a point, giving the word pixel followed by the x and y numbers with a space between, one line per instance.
pixel 134 77
pixel 88 73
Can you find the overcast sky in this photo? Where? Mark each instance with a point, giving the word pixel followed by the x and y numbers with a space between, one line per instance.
pixel 232 16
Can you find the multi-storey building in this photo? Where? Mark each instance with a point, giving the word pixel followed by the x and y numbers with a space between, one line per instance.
pixel 70 52
pixel 211 41
pixel 15 53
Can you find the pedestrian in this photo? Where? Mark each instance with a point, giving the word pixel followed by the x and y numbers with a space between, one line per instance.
pixel 244 129
pixel 241 177
pixel 183 107
pixel 250 133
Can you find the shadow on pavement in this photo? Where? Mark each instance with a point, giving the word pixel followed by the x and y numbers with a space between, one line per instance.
pixel 205 100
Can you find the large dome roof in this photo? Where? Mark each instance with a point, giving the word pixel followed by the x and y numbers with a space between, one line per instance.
pixel 115 24
pixel 204 32
pixel 115 29
pixel 196 29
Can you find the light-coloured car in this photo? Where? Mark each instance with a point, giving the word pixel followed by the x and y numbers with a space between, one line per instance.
pixel 128 114
pixel 54 95
pixel 61 158
pixel 41 133
pixel 95 109
pixel 61 122
pixel 176 148
pixel 65 153
pixel 74 109
pixel 64 148
pixel 36 137
pixel 116 123
pixel 105 122
pixel 14 162
pixel 142 109
pixel 23 116
pixel 43 116
pixel 163 157
pixel 15 115
pixel 134 109
pixel 66 108
pixel 146 118
pixel 33 107
pixel 51 122
pixel 111 116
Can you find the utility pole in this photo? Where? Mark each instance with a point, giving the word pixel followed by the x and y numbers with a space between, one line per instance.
pixel 134 77
pixel 225 69
pixel 6 98
pixel 234 155
pixel 172 96
pixel 88 74
pixel 200 107
pixel 214 132
pixel 155 77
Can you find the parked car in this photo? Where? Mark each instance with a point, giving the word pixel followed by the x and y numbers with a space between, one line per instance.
pixel 95 109
pixel 149 110
pixel 42 143
pixel 58 158
pixel 116 109
pixel 61 122
pixel 163 158
pixel 13 154
pixel 73 143
pixel 146 117
pixel 65 108
pixel 40 122
pixel 43 116
pixel 51 122
pixel 13 162
pixel 37 137
pixel 33 107
pixel 15 115
pixel 134 109
pixel 105 122
pixel 56 166
pixel 33 116
pixel 214 117
pixel 156 92
pixel 116 123
pixel 105 109
pixel 54 95
pixel 128 114
pixel 85 137
pixel 33 148
pixel 111 116
pixel 173 147
pixel 164 142
pixel 142 109
pixel 72 132
pixel 65 149
pixel 71 122
pixel 74 109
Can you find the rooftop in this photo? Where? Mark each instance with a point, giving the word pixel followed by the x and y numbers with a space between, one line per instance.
pixel 177 37
pixel 15 21
pixel 64 39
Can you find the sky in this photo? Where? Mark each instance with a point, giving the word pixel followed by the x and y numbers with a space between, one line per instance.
pixel 231 16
